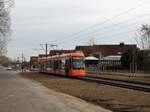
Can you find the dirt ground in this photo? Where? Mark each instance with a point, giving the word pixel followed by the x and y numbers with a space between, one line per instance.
pixel 113 98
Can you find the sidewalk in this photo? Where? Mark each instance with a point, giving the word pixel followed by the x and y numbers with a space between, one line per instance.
pixel 18 94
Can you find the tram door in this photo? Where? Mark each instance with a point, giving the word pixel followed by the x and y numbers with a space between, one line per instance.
pixel 67 66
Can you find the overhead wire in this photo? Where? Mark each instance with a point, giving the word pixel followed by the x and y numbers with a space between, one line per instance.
pixel 117 24
pixel 106 36
pixel 109 36
pixel 111 28
pixel 105 21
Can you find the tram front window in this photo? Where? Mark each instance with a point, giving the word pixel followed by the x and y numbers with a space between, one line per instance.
pixel 78 63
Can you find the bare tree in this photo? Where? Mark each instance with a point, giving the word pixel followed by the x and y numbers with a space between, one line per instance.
pixel 143 35
pixel 5 30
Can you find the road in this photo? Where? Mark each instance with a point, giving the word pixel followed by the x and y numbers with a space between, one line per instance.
pixel 18 94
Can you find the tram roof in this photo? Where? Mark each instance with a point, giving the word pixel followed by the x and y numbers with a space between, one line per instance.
pixel 77 53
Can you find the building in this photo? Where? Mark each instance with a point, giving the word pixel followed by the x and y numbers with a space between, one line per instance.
pixel 108 55
pixel 105 50
pixel 112 60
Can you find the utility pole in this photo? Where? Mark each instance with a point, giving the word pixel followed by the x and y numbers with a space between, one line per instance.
pixel 46 54
pixel 22 57
pixel 133 64
pixel 22 66
pixel 46 49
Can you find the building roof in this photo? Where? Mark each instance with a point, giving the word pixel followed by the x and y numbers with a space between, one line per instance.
pixel 91 58
pixel 105 50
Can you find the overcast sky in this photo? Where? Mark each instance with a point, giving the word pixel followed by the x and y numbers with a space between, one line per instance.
pixel 54 21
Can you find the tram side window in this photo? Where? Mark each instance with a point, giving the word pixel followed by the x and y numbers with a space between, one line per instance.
pixel 50 64
pixel 59 63
pixel 56 64
pixel 41 66
pixel 62 64
pixel 47 64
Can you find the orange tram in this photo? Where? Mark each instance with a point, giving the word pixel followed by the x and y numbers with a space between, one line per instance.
pixel 71 64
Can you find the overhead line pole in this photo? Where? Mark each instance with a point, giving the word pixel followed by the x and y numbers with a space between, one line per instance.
pixel 46 49
pixel 46 54
pixel 22 66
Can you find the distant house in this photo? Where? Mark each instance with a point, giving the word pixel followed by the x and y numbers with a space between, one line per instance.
pixel 105 50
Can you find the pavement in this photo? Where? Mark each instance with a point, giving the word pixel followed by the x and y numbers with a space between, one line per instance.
pixel 18 94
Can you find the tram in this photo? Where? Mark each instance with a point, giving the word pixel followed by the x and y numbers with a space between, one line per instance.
pixel 70 64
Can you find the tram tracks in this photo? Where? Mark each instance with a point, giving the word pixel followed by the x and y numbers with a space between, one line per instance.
pixel 140 86
pixel 134 85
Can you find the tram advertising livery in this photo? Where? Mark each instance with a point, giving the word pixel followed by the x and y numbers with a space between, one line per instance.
pixel 71 64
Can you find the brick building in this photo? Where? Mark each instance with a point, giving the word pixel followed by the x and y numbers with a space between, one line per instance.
pixel 105 50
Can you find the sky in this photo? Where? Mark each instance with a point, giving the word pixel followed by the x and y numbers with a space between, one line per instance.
pixel 68 23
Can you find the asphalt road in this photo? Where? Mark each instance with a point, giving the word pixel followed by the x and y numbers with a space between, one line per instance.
pixel 22 95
